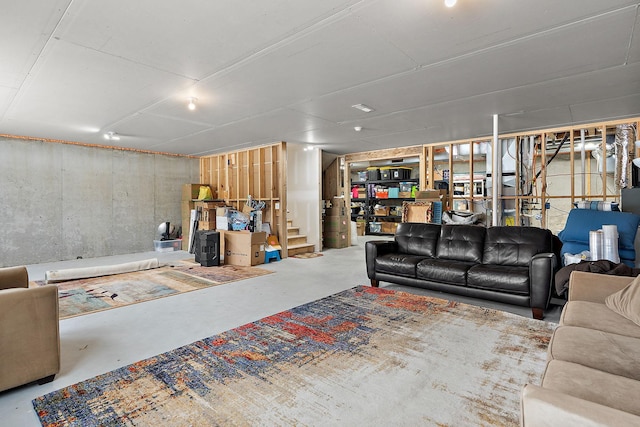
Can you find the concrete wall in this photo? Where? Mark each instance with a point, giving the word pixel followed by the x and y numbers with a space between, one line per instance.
pixel 63 201
pixel 304 191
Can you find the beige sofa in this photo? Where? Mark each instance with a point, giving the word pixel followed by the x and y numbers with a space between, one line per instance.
pixel 592 376
pixel 29 332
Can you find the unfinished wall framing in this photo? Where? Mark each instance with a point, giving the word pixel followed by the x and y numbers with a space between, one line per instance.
pixel 545 178
pixel 259 172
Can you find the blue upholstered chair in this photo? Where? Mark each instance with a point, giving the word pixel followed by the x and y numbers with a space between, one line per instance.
pixel 575 236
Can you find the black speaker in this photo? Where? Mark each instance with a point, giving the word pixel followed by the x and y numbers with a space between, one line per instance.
pixel 207 248
pixel 635 175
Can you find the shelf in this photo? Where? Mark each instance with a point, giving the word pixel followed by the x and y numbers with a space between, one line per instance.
pixel 389 181
pixel 398 199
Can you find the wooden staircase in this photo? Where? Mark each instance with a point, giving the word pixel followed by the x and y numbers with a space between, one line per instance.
pixel 296 242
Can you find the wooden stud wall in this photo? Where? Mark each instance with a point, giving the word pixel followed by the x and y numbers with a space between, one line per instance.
pixel 428 173
pixel 259 172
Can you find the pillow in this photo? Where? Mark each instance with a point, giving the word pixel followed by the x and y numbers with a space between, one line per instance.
pixel 598 206
pixel 626 302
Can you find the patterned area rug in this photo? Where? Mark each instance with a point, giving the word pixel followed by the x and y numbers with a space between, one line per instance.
pixel 365 356
pixel 84 296
pixel 307 255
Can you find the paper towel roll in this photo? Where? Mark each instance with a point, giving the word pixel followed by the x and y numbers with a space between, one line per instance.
pixel 596 245
pixel 610 243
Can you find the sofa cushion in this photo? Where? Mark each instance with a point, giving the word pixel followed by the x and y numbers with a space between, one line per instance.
pixel 593 385
pixel 461 242
pixel 604 351
pixel 515 245
pixel 443 271
pixel 626 302
pixel 398 264
pixel 597 316
pixel 502 278
pixel 417 238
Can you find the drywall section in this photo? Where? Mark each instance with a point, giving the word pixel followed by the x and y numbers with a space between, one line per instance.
pixel 304 191
pixel 64 201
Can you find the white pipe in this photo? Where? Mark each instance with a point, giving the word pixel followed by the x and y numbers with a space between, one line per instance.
pixel 496 175
pixel 583 160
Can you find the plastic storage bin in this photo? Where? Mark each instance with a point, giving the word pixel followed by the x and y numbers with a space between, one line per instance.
pixel 375 227
pixel 167 245
pixel 401 173
pixel 405 186
pixel 373 174
pixel 385 172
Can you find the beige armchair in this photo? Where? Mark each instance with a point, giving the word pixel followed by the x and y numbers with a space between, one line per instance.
pixel 29 332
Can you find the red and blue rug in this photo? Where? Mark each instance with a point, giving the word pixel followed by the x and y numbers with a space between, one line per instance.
pixel 363 356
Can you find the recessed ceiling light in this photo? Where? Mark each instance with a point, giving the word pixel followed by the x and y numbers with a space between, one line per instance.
pixel 357 128
pixel 363 107
pixel 112 136
pixel 450 3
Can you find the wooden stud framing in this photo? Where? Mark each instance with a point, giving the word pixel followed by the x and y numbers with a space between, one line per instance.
pixel 258 172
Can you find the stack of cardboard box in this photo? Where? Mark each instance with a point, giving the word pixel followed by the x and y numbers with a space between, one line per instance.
pixel 336 224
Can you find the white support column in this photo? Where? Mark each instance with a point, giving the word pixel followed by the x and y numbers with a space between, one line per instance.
pixel 583 163
pixel 496 174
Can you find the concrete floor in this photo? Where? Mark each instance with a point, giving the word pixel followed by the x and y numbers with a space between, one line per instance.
pixel 96 343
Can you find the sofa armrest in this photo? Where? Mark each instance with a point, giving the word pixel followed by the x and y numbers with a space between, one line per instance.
pixel 14 277
pixel 594 287
pixel 541 273
pixel 29 336
pixel 544 407
pixel 374 249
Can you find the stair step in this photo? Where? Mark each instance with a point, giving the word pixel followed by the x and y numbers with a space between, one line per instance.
pixel 302 248
pixel 297 239
pixel 292 231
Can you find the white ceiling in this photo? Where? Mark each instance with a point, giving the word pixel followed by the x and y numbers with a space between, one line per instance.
pixel 290 70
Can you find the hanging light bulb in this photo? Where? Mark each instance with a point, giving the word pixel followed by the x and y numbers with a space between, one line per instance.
pixel 192 103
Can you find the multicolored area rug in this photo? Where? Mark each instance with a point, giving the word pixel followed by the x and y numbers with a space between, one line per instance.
pixel 307 255
pixel 365 356
pixel 84 296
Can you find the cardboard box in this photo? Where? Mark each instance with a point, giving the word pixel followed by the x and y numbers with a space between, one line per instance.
pixel 336 223
pixel 222 223
pixel 389 227
pixel 360 227
pixel 336 211
pixel 335 239
pixel 244 248
pixel 430 194
pixel 383 211
pixel 222 218
pixel 337 201
pixel 207 225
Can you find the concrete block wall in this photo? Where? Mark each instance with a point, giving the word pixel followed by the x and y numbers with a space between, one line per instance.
pixel 64 201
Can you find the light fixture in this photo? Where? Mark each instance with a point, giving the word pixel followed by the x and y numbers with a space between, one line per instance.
pixel 450 3
pixel 112 136
pixel 363 107
pixel 192 103
pixel 357 128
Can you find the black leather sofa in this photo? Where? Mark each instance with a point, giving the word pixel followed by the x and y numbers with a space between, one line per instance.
pixel 514 265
